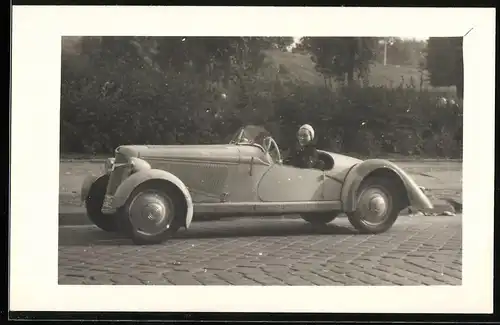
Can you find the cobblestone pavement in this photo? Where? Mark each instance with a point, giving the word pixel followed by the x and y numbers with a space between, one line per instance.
pixel 416 251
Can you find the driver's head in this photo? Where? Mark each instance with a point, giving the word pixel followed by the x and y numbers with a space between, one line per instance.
pixel 305 134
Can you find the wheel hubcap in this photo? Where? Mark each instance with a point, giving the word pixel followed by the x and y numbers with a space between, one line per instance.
pixel 151 213
pixel 154 212
pixel 374 205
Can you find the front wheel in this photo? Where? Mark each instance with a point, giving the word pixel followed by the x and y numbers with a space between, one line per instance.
pixel 152 214
pixel 93 204
pixel 377 206
pixel 319 219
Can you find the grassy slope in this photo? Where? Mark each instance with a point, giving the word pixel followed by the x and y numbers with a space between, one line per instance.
pixel 300 67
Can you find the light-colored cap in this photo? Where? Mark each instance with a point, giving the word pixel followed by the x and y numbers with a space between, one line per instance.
pixel 309 129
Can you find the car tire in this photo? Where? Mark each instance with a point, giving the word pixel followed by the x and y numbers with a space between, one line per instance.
pixel 379 196
pixel 93 204
pixel 319 219
pixel 152 213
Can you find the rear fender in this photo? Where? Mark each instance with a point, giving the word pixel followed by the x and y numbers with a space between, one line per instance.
pixel 127 187
pixel 416 197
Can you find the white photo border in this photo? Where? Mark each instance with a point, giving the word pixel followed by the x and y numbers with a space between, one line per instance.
pixel 36 74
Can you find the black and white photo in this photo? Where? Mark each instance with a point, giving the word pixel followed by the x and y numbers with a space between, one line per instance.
pixel 235 159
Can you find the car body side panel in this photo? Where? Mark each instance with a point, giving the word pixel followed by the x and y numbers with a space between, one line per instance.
pixel 282 183
pixel 206 181
pixel 334 178
pixel 243 184
pixel 332 188
pixel 205 170
pixel 354 178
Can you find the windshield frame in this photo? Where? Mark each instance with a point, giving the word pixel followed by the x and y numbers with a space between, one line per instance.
pixel 255 134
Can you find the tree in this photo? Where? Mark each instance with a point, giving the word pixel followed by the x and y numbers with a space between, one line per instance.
pixel 281 43
pixel 405 52
pixel 444 57
pixel 215 59
pixel 341 57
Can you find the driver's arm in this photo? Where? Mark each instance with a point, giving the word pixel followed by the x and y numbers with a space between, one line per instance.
pixel 317 162
pixel 312 156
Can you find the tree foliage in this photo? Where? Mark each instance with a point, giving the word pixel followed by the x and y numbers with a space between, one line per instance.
pixel 444 61
pixel 167 90
pixel 341 58
pixel 404 52
pixel 281 43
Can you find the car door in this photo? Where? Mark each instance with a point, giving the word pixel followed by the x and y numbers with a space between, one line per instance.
pixel 284 183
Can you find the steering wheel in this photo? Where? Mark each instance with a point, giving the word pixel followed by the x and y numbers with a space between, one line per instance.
pixel 268 143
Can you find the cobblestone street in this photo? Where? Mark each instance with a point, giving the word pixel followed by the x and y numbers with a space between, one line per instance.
pixel 416 251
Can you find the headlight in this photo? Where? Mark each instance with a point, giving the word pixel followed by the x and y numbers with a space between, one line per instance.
pixel 138 164
pixel 109 165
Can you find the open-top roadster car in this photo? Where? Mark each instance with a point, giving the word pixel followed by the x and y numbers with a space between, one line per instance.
pixel 149 191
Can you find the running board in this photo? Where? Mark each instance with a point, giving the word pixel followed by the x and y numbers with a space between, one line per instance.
pixel 252 208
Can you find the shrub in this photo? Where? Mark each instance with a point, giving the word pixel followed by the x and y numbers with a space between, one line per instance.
pixel 101 112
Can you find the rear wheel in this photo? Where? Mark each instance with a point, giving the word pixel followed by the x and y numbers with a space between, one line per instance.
pixel 377 208
pixel 152 213
pixel 319 219
pixel 93 204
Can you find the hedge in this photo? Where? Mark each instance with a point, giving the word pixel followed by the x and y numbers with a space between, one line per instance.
pixel 101 112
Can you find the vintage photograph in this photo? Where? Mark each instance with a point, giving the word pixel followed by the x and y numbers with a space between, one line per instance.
pixel 254 154
pixel 251 161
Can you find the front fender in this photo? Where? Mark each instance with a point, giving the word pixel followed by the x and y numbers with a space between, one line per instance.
pixel 416 197
pixel 126 187
pixel 86 185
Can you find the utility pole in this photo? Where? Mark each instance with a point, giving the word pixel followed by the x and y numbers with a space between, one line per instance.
pixel 385 52
pixel 387 40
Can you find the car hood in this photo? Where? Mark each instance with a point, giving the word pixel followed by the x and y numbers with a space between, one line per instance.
pixel 179 151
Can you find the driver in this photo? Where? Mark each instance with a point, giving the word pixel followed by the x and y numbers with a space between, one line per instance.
pixel 305 155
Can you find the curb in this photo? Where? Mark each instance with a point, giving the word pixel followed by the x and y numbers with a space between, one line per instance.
pixel 454 160
pixel 76 215
pixel 83 160
pixel 74 219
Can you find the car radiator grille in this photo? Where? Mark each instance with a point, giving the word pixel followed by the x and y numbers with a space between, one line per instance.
pixel 119 173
